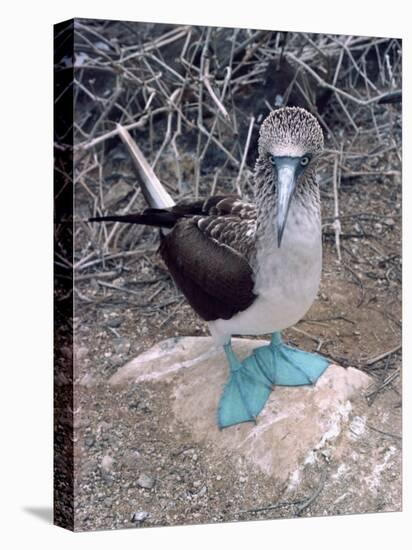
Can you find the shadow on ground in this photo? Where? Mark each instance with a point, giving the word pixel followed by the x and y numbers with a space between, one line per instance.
pixel 44 513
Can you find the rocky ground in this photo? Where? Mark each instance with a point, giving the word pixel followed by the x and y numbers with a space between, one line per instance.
pixel 136 464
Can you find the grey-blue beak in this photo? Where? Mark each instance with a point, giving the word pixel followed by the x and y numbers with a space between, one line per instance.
pixel 286 168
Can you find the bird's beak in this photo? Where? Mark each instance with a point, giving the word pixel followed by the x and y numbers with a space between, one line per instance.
pixel 286 184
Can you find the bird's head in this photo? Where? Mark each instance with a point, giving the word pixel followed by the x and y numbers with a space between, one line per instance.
pixel 290 143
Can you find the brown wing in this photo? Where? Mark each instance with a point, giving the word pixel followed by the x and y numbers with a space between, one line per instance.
pixel 207 251
pixel 216 279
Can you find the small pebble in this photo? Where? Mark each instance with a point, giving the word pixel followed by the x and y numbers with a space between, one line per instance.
pixel 89 440
pixel 122 345
pixel 326 453
pixel 82 352
pixel 139 517
pixel 107 463
pixel 115 322
pixel 87 380
pixel 145 481
pixel 131 458
pixel 107 478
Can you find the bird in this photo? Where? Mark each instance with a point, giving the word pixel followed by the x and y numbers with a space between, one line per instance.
pixel 251 267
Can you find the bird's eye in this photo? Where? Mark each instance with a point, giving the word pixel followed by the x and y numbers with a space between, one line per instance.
pixel 304 161
pixel 273 161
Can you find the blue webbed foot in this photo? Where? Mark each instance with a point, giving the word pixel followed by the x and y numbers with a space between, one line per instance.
pixel 252 380
pixel 288 366
pixel 245 393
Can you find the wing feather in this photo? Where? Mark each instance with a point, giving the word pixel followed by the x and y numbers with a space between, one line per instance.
pixel 216 279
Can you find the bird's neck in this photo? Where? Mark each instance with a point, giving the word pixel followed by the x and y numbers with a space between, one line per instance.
pixel 304 209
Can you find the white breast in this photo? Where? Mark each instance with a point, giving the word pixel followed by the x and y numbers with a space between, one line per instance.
pixel 286 279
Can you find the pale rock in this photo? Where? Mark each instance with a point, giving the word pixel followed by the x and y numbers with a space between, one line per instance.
pixel 295 422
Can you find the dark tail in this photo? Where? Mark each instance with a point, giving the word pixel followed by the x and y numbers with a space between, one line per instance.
pixel 152 216
pixel 167 217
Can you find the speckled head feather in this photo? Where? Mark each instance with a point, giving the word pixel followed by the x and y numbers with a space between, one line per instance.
pixel 290 131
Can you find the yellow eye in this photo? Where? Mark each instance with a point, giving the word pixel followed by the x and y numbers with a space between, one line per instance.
pixel 304 161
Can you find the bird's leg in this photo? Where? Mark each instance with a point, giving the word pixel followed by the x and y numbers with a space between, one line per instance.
pixel 245 393
pixel 288 366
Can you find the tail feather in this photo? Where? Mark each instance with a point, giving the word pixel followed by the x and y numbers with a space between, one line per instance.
pixel 155 194
pixel 156 218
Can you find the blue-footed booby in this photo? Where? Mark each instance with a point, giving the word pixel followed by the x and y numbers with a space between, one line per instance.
pixel 250 268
